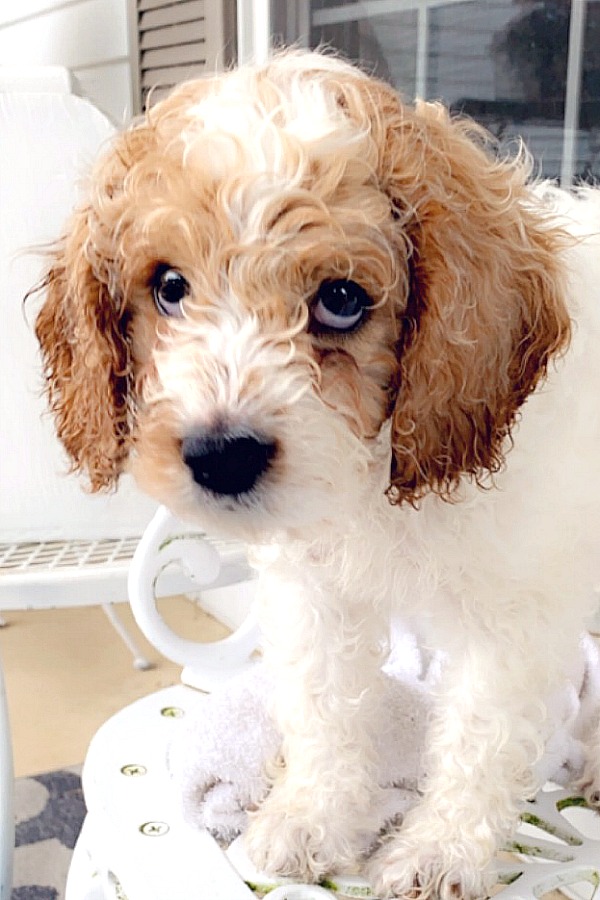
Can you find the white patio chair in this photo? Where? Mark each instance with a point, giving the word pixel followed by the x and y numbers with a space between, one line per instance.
pixel 58 546
pixel 134 842
pixel 129 750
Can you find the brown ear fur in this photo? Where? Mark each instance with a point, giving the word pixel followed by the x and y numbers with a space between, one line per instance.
pixel 85 351
pixel 485 312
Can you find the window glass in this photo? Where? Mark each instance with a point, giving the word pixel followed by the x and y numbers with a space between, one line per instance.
pixel 509 64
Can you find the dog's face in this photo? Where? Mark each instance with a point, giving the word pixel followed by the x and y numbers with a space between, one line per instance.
pixel 271 266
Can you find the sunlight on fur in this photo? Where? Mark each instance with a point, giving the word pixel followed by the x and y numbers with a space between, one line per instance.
pixel 341 328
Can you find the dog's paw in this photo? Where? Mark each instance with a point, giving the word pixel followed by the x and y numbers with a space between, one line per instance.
pixel 424 871
pixel 591 791
pixel 293 841
pixel 589 783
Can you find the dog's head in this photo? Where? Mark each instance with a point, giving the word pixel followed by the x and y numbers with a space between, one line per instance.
pixel 275 263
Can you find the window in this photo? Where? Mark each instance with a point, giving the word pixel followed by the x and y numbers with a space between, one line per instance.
pixel 520 67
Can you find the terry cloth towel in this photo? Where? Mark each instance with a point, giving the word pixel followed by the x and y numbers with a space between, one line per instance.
pixel 218 760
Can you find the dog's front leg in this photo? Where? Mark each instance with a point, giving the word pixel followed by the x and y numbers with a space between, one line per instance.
pixel 325 649
pixel 483 746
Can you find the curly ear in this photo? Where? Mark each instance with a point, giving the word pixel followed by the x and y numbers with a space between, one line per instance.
pixel 485 311
pixel 85 350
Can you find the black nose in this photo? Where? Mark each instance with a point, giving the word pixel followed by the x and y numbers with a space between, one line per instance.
pixel 226 463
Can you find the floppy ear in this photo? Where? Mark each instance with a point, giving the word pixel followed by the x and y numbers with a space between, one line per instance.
pixel 85 350
pixel 485 311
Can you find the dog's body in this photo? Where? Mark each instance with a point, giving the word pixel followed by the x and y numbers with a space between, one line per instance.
pixel 345 287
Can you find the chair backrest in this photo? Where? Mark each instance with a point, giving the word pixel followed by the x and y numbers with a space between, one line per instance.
pixel 48 139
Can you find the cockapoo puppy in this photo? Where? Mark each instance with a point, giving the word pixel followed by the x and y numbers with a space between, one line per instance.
pixel 340 328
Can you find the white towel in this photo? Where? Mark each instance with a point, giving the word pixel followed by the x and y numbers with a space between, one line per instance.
pixel 219 758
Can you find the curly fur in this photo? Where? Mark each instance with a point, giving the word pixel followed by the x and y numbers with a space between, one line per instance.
pixel 88 368
pixel 474 379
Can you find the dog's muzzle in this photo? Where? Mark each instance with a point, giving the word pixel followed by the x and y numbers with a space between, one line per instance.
pixel 226 463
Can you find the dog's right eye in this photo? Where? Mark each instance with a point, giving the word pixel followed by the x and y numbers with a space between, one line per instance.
pixel 169 288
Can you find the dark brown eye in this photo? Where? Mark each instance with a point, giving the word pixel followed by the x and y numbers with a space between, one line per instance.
pixel 169 289
pixel 339 306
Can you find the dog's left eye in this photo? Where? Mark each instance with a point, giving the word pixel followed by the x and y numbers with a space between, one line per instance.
pixel 339 306
pixel 169 288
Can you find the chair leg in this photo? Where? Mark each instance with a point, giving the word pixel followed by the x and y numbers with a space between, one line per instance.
pixel 139 660
pixel 7 822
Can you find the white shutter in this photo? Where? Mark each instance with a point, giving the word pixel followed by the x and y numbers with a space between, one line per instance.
pixel 178 40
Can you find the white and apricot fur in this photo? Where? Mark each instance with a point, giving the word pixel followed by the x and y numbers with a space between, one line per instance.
pixel 441 460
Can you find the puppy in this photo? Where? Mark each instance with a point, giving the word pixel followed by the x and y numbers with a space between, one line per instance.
pixel 340 328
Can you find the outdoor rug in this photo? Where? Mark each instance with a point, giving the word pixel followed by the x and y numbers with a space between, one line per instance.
pixel 49 815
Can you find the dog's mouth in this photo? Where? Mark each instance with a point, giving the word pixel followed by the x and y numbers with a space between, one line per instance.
pixel 228 464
